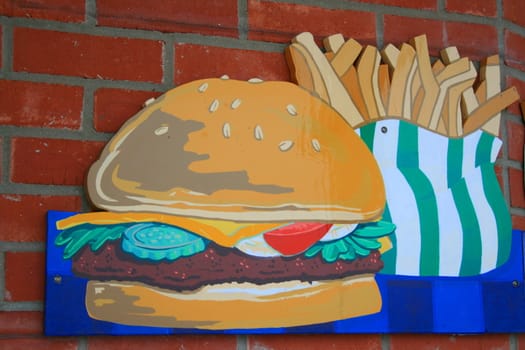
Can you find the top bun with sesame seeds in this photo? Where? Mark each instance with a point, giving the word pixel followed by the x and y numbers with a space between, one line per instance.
pixel 247 151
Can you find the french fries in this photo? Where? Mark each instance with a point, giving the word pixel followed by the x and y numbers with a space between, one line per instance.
pixel 448 96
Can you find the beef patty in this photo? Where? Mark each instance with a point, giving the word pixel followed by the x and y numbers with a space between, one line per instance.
pixel 215 265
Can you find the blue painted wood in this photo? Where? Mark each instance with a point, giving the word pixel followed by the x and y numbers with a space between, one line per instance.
pixel 493 302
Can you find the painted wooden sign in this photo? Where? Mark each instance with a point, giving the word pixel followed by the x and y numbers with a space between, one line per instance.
pixel 361 198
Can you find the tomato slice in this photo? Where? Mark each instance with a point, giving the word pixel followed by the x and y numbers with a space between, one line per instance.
pixel 297 237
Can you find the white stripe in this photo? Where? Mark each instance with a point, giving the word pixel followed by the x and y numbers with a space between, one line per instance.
pixel 403 209
pixel 432 150
pixel 496 146
pixel 450 235
pixel 486 219
pixel 470 145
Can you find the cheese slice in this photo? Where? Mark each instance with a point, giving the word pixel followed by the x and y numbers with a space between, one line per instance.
pixel 225 233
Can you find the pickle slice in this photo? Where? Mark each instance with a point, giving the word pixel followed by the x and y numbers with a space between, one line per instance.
pixel 161 242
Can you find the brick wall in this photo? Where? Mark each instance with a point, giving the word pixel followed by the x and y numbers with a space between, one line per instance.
pixel 71 71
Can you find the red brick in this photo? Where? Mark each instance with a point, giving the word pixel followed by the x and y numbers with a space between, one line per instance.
pixel 1 152
pixel 516 140
pixel 46 343
pixel 313 342
pixel 55 10
pixel 520 86
pixel 187 342
pixel 21 322
pixel 475 41
pixel 485 8
pixel 518 223
pixel 40 105
pixel 52 161
pixel 417 4
pixel 202 17
pixel 400 30
pixel 196 62
pixel 514 53
pixel 114 106
pixel 517 197
pixel 449 342
pixel 513 11
pixel 24 276
pixel 499 175
pixel 280 22
pixel 87 56
pixel 23 217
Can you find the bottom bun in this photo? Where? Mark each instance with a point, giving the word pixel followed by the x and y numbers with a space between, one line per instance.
pixel 234 305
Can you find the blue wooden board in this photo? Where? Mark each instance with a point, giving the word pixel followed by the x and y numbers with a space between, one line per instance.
pixel 492 302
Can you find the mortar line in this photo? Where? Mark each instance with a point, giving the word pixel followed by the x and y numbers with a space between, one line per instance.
pixel 242 342
pixel 385 342
pixel 242 16
pixel 22 306
pixel 44 190
pixel 380 29
pixel 168 64
pixel 91 12
pixel 50 133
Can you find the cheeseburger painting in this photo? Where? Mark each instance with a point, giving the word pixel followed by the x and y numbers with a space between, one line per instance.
pixel 227 204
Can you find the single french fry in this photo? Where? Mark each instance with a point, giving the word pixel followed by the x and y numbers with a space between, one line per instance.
pixel 305 71
pixel 346 56
pixel 490 72
pixel 390 55
pixel 428 114
pixel 455 120
pixel 338 97
pixel 454 74
pixel 481 92
pixel 468 102
pixel 416 105
pixel 453 69
pixel 384 83
pixel 400 76
pixel 490 109
pixel 442 126
pixel 351 83
pixel 333 42
pixel 329 55
pixel 437 67
pixel 367 73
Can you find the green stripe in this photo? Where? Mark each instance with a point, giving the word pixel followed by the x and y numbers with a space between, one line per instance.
pixel 367 134
pixel 471 259
pixel 454 161
pixel 501 213
pixel 408 164
pixel 484 149
pixel 389 257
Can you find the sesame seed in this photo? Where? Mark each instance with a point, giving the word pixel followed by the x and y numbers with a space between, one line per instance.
pixel 316 145
pixel 203 87
pixel 291 110
pixel 285 145
pixel 225 77
pixel 255 80
pixel 149 101
pixel 226 130
pixel 161 130
pixel 214 106
pixel 236 103
pixel 258 133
